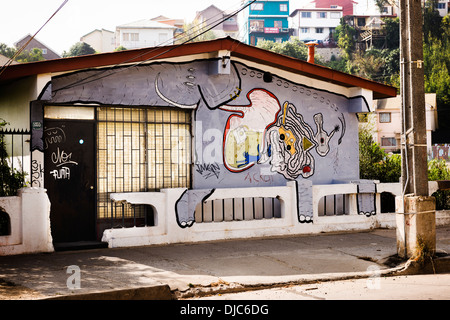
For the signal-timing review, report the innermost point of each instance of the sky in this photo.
(79, 17)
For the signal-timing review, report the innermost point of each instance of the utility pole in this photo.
(416, 218)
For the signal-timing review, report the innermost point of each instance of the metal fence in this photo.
(14, 154)
(238, 209)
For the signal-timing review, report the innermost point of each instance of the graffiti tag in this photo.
(62, 158)
(61, 174)
(208, 170)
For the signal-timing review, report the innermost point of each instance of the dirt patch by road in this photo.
(11, 291)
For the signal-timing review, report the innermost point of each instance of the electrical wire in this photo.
(114, 69)
(18, 52)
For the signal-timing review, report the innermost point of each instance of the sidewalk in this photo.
(183, 270)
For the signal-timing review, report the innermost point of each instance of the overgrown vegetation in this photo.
(376, 164)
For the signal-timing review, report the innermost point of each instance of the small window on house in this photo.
(361, 22)
(306, 14)
(388, 142)
(256, 25)
(304, 30)
(278, 24)
(335, 15)
(283, 7)
(321, 15)
(385, 117)
(257, 6)
(131, 37)
(319, 30)
(44, 51)
(141, 149)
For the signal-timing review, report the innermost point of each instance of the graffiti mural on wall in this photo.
(262, 125)
(439, 151)
(245, 128)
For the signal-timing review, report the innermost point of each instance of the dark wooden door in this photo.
(70, 175)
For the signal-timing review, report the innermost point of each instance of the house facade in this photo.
(346, 5)
(101, 40)
(165, 140)
(211, 16)
(144, 33)
(388, 119)
(47, 53)
(266, 20)
(316, 24)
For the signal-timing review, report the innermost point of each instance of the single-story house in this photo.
(133, 138)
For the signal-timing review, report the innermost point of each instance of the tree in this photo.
(345, 38)
(30, 56)
(7, 51)
(431, 22)
(293, 48)
(79, 49)
(196, 32)
(374, 162)
(25, 56)
(392, 29)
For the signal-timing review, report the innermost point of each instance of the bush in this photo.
(375, 163)
(438, 170)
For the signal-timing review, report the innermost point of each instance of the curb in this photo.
(410, 267)
(163, 292)
(158, 292)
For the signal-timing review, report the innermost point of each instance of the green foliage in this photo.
(438, 170)
(25, 56)
(196, 31)
(374, 162)
(432, 27)
(345, 37)
(11, 180)
(293, 48)
(79, 49)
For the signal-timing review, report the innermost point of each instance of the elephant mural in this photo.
(264, 121)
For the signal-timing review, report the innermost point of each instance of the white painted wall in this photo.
(167, 230)
(147, 37)
(29, 212)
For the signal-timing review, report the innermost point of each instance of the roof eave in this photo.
(236, 48)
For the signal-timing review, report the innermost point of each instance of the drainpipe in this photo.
(311, 46)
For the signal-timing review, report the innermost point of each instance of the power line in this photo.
(18, 52)
(102, 74)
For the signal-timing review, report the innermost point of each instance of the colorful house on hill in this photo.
(165, 140)
(266, 20)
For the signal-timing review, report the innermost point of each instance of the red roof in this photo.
(236, 48)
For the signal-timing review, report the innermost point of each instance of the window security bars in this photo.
(238, 209)
(139, 150)
(332, 205)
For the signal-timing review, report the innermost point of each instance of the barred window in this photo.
(140, 150)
